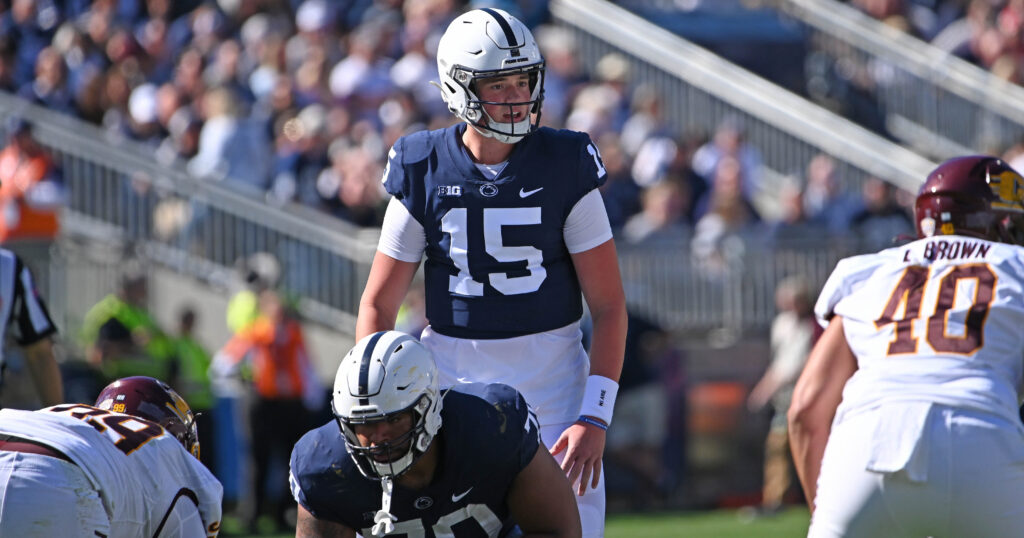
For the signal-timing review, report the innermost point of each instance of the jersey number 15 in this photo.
(453, 223)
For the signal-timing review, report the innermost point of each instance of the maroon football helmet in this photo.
(155, 401)
(977, 196)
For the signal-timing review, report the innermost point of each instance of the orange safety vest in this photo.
(276, 354)
(18, 174)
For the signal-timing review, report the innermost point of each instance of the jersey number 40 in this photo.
(909, 292)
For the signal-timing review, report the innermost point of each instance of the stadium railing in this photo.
(726, 295)
(937, 102)
(701, 90)
(117, 189)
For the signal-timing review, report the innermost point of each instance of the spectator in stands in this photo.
(883, 220)
(271, 353)
(620, 192)
(28, 34)
(564, 76)
(825, 201)
(647, 119)
(31, 196)
(363, 79)
(49, 88)
(973, 37)
(603, 105)
(792, 334)
(351, 187)
(729, 218)
(729, 140)
(230, 147)
(662, 218)
(793, 228)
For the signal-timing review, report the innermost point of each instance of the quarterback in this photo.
(514, 232)
(905, 419)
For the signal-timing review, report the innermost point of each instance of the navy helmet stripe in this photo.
(364, 365)
(510, 36)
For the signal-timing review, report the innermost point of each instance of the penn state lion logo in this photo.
(488, 190)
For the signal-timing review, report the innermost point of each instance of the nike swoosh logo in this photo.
(525, 193)
(457, 498)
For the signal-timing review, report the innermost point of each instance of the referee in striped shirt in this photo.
(23, 311)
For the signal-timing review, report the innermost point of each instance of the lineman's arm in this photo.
(598, 273)
(45, 374)
(385, 290)
(541, 501)
(308, 526)
(815, 399)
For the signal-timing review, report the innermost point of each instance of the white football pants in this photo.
(967, 468)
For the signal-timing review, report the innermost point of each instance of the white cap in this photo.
(142, 104)
(311, 16)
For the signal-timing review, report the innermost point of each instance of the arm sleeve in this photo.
(587, 225)
(401, 236)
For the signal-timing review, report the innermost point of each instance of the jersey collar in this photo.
(462, 162)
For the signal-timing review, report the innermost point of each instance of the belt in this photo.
(11, 443)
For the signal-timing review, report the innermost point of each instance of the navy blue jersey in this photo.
(488, 435)
(496, 263)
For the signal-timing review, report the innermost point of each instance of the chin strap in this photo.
(384, 522)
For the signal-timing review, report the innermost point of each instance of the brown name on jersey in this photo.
(952, 250)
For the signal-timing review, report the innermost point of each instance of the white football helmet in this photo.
(386, 373)
(485, 43)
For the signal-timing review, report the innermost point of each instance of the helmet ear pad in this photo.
(460, 99)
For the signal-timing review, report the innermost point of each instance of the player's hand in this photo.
(583, 445)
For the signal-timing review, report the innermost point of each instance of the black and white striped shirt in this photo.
(21, 307)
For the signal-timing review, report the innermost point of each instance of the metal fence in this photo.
(116, 189)
(729, 295)
(936, 102)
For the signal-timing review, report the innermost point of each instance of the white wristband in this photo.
(599, 398)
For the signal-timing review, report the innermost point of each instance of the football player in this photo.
(403, 457)
(125, 467)
(513, 229)
(904, 421)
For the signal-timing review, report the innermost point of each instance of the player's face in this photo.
(384, 432)
(505, 89)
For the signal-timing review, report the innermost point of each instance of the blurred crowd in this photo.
(987, 33)
(300, 101)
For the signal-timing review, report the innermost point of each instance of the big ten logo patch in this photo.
(448, 191)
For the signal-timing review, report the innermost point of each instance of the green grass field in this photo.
(791, 523)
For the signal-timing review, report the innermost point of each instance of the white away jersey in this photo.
(139, 469)
(937, 320)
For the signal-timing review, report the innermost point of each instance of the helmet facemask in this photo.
(392, 458)
(476, 115)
